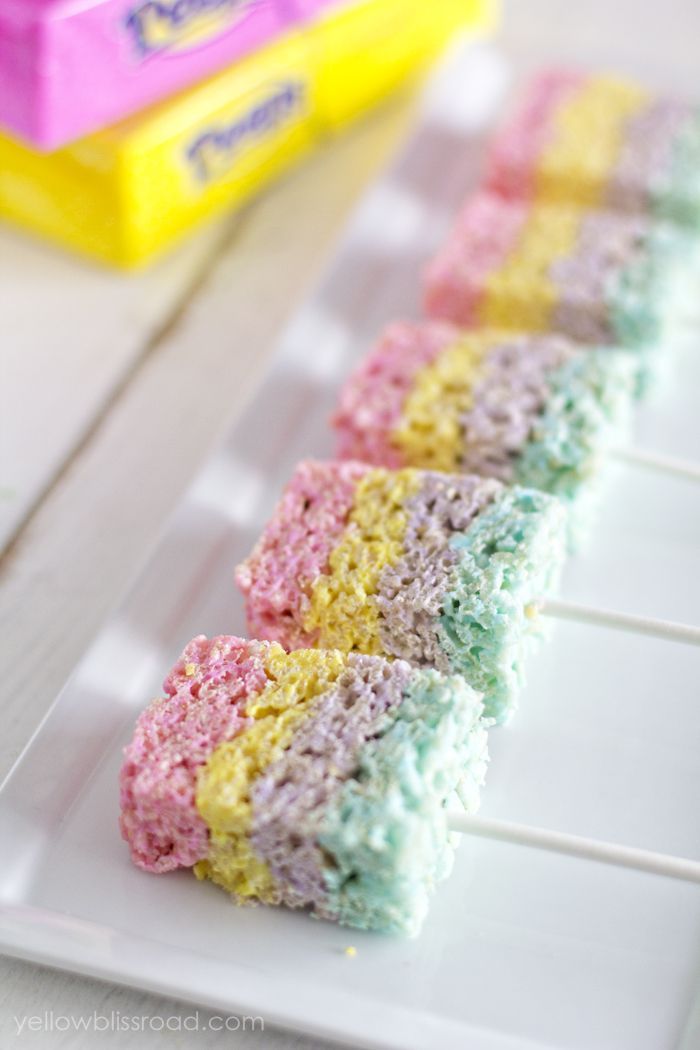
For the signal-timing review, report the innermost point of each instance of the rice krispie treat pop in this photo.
(601, 142)
(528, 408)
(438, 569)
(314, 779)
(598, 277)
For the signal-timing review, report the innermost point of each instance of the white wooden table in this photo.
(114, 387)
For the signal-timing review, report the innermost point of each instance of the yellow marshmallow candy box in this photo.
(124, 194)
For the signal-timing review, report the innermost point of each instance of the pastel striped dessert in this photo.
(601, 142)
(527, 408)
(599, 277)
(441, 570)
(314, 779)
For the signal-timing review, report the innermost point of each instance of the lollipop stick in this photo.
(666, 629)
(682, 468)
(577, 846)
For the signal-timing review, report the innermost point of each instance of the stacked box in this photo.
(68, 69)
(126, 193)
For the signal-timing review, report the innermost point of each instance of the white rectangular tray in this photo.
(521, 949)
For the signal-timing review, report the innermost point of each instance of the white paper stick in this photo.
(682, 468)
(666, 629)
(577, 846)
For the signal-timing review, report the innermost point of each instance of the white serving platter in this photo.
(522, 949)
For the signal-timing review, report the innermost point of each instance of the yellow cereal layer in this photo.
(521, 294)
(342, 606)
(224, 785)
(588, 139)
(433, 440)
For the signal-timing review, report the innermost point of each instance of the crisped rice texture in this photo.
(278, 713)
(292, 794)
(386, 834)
(294, 549)
(204, 705)
(342, 609)
(509, 559)
(412, 588)
(677, 194)
(639, 293)
(587, 410)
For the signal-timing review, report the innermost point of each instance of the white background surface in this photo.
(113, 389)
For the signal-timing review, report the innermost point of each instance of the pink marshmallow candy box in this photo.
(69, 67)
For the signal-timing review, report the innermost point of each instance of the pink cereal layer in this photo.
(515, 153)
(372, 400)
(204, 705)
(486, 230)
(294, 549)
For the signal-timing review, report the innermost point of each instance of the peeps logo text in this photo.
(173, 25)
(212, 154)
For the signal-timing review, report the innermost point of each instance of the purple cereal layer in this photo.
(290, 799)
(412, 590)
(508, 397)
(607, 244)
(647, 154)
